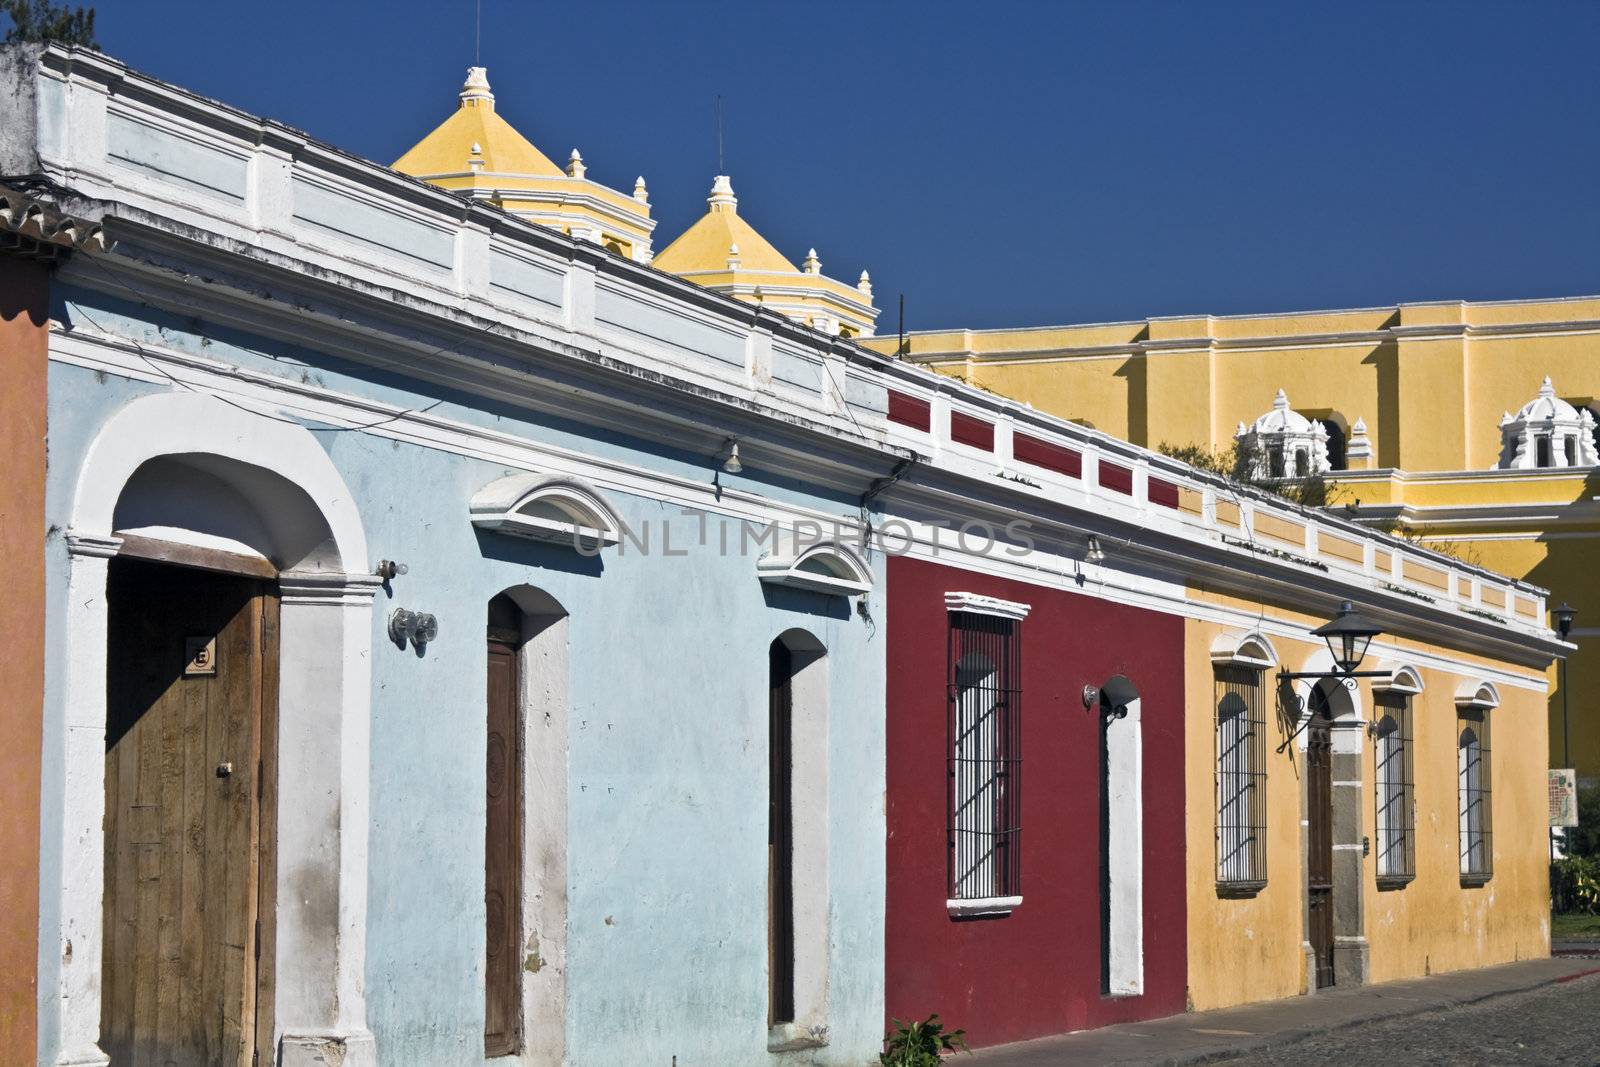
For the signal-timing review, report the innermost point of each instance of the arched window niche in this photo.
(828, 567)
(1393, 775)
(557, 510)
(797, 842)
(1236, 648)
(1240, 660)
(525, 828)
(1121, 840)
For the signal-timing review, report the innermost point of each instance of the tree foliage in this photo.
(1237, 463)
(40, 20)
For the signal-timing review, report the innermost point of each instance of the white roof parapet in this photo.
(693, 358)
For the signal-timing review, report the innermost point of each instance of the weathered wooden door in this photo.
(502, 1023)
(190, 680)
(1319, 840)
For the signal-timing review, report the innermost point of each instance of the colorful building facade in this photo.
(572, 663)
(1332, 834)
(1430, 418)
(34, 238)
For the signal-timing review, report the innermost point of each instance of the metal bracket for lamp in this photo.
(1348, 678)
(1348, 637)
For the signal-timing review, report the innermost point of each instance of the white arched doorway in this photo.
(1331, 728)
(186, 474)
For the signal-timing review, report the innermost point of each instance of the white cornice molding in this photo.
(978, 604)
(383, 306)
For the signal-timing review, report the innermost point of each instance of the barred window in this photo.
(985, 759)
(1241, 779)
(1392, 778)
(1475, 794)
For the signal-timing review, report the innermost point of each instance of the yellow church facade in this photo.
(1470, 426)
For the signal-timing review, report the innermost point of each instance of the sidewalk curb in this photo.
(1284, 1038)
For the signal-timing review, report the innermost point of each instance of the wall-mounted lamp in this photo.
(728, 458)
(1348, 636)
(1096, 554)
(1114, 697)
(1564, 616)
(388, 569)
(414, 627)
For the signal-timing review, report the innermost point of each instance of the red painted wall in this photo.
(1036, 971)
(24, 348)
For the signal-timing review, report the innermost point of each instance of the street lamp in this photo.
(1348, 636)
(1564, 615)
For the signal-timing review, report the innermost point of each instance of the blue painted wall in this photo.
(668, 739)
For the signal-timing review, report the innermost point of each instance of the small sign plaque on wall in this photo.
(200, 656)
(1563, 797)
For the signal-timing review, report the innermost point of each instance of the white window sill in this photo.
(790, 1037)
(983, 906)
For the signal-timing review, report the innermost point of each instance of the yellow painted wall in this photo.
(1434, 924)
(1240, 949)
(1249, 949)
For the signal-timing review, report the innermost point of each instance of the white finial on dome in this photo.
(1284, 443)
(640, 193)
(475, 158)
(733, 256)
(575, 167)
(475, 93)
(1547, 431)
(812, 264)
(865, 284)
(1358, 450)
(722, 198)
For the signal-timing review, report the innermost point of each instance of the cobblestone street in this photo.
(1555, 1024)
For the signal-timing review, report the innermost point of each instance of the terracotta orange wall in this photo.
(24, 337)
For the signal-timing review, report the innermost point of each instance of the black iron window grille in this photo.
(1241, 779)
(1474, 787)
(1395, 799)
(985, 757)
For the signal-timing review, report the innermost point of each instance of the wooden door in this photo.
(502, 1021)
(1319, 840)
(190, 675)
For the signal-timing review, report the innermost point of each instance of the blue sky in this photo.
(1001, 163)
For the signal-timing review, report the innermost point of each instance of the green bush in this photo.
(921, 1044)
(1584, 839)
(1575, 885)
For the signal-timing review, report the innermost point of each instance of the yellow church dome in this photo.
(704, 246)
(475, 137)
(478, 154)
(722, 251)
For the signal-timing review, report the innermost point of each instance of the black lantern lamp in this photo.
(1564, 615)
(1348, 636)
